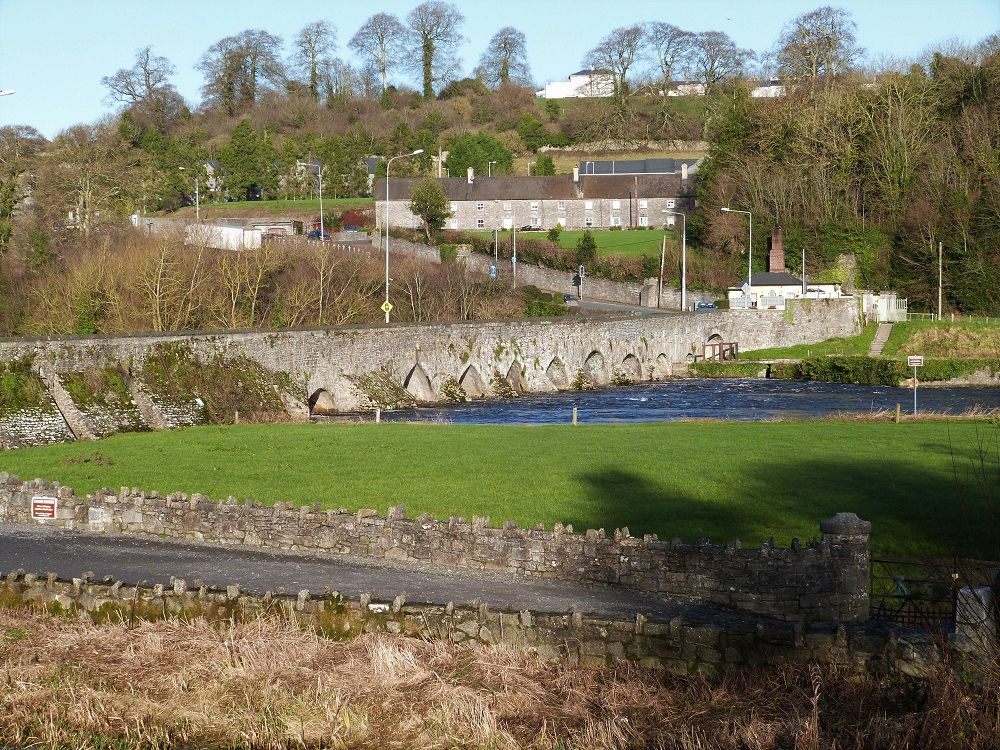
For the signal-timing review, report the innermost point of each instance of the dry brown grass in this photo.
(955, 341)
(270, 684)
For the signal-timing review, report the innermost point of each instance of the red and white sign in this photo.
(43, 508)
(915, 360)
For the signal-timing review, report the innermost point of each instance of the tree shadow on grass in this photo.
(914, 511)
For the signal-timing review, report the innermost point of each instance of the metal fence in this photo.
(924, 594)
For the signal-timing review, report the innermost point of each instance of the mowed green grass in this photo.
(625, 243)
(916, 482)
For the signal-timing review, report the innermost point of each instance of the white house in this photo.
(773, 88)
(768, 291)
(582, 84)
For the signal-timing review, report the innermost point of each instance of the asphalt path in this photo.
(136, 559)
(610, 307)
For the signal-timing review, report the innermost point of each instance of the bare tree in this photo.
(716, 58)
(143, 81)
(380, 43)
(237, 66)
(617, 53)
(433, 38)
(314, 46)
(90, 176)
(672, 48)
(505, 59)
(818, 44)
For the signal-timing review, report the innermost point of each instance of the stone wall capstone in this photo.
(569, 637)
(822, 581)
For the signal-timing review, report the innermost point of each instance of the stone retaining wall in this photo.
(678, 646)
(823, 581)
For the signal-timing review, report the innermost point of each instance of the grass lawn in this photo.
(849, 346)
(979, 337)
(625, 243)
(916, 482)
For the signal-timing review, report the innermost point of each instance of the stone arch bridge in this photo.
(348, 368)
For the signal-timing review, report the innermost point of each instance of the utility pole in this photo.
(940, 267)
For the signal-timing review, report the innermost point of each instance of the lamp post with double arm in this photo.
(727, 210)
(684, 282)
(387, 306)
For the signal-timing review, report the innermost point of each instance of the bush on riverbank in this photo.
(877, 370)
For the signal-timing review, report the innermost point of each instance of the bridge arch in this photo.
(419, 384)
(322, 402)
(556, 372)
(472, 383)
(632, 369)
(662, 368)
(515, 376)
(596, 369)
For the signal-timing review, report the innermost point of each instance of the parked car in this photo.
(315, 235)
(569, 298)
(704, 306)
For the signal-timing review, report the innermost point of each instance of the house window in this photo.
(480, 206)
(562, 205)
(535, 221)
(616, 221)
(454, 207)
(589, 221)
(643, 221)
(454, 223)
(670, 202)
(506, 205)
(643, 203)
(615, 205)
(534, 205)
(671, 220)
(480, 224)
(589, 205)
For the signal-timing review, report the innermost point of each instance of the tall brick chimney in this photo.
(776, 257)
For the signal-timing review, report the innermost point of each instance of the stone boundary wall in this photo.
(824, 581)
(604, 290)
(677, 646)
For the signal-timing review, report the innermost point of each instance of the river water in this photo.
(732, 399)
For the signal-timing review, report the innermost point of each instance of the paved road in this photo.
(591, 306)
(134, 559)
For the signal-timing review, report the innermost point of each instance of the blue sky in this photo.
(54, 52)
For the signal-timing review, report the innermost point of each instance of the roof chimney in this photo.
(472, 175)
(576, 174)
(684, 170)
(776, 257)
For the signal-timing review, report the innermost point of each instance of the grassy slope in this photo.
(687, 480)
(849, 346)
(944, 339)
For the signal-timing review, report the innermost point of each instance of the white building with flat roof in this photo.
(582, 84)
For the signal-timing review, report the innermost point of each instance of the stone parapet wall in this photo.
(570, 637)
(824, 581)
(641, 294)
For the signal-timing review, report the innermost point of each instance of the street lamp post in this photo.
(322, 226)
(684, 282)
(727, 210)
(388, 164)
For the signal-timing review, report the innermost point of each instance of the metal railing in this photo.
(924, 594)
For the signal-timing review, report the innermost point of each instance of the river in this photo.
(692, 398)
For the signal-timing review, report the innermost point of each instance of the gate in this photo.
(924, 594)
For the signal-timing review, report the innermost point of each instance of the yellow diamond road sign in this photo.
(387, 306)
